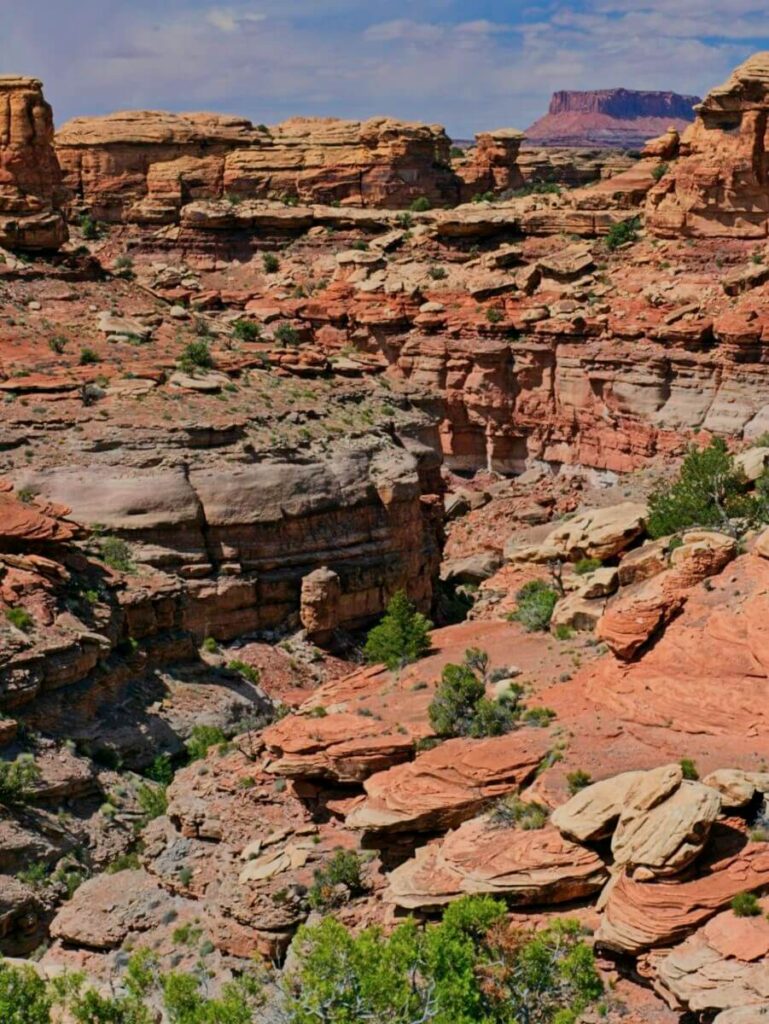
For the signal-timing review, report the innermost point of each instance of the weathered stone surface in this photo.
(596, 533)
(718, 186)
(145, 166)
(723, 966)
(641, 915)
(30, 178)
(536, 866)
(640, 611)
(445, 786)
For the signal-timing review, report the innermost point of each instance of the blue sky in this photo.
(468, 64)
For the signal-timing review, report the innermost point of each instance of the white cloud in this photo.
(227, 19)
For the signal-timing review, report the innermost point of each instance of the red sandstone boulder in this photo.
(537, 866)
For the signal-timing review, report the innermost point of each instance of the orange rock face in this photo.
(30, 178)
(144, 166)
(718, 188)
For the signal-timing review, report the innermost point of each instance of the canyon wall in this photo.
(720, 185)
(144, 166)
(30, 179)
(622, 118)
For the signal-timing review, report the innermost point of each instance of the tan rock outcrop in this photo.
(145, 166)
(596, 533)
(30, 178)
(535, 866)
(718, 187)
(447, 785)
(493, 164)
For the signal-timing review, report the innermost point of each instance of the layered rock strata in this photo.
(30, 178)
(144, 166)
(720, 185)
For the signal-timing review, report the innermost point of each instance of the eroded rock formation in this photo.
(720, 185)
(30, 179)
(624, 118)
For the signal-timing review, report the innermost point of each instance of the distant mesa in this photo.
(617, 118)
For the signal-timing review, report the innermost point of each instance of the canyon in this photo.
(256, 382)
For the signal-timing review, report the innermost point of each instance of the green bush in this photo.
(248, 672)
(287, 334)
(709, 492)
(512, 812)
(494, 315)
(689, 769)
(90, 228)
(438, 273)
(202, 738)
(460, 706)
(271, 263)
(152, 800)
(116, 554)
(745, 904)
(161, 770)
(24, 996)
(402, 636)
(472, 967)
(585, 565)
(20, 618)
(421, 205)
(246, 330)
(578, 780)
(622, 233)
(196, 355)
(660, 171)
(17, 779)
(88, 357)
(58, 344)
(536, 602)
(342, 869)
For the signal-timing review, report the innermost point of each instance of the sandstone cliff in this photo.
(145, 166)
(623, 118)
(30, 179)
(720, 185)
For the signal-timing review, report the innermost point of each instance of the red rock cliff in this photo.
(30, 178)
(611, 117)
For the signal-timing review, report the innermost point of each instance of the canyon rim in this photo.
(384, 528)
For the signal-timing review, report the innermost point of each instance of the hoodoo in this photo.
(30, 178)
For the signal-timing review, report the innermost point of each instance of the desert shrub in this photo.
(745, 904)
(709, 491)
(421, 205)
(124, 267)
(536, 602)
(342, 869)
(271, 263)
(460, 706)
(90, 228)
(494, 315)
(623, 232)
(161, 770)
(541, 717)
(660, 171)
(152, 800)
(24, 996)
(438, 273)
(537, 188)
(689, 769)
(512, 812)
(88, 357)
(246, 330)
(287, 334)
(17, 779)
(196, 355)
(578, 780)
(248, 672)
(210, 645)
(402, 636)
(202, 738)
(473, 966)
(57, 344)
(585, 565)
(116, 554)
(405, 220)
(20, 618)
